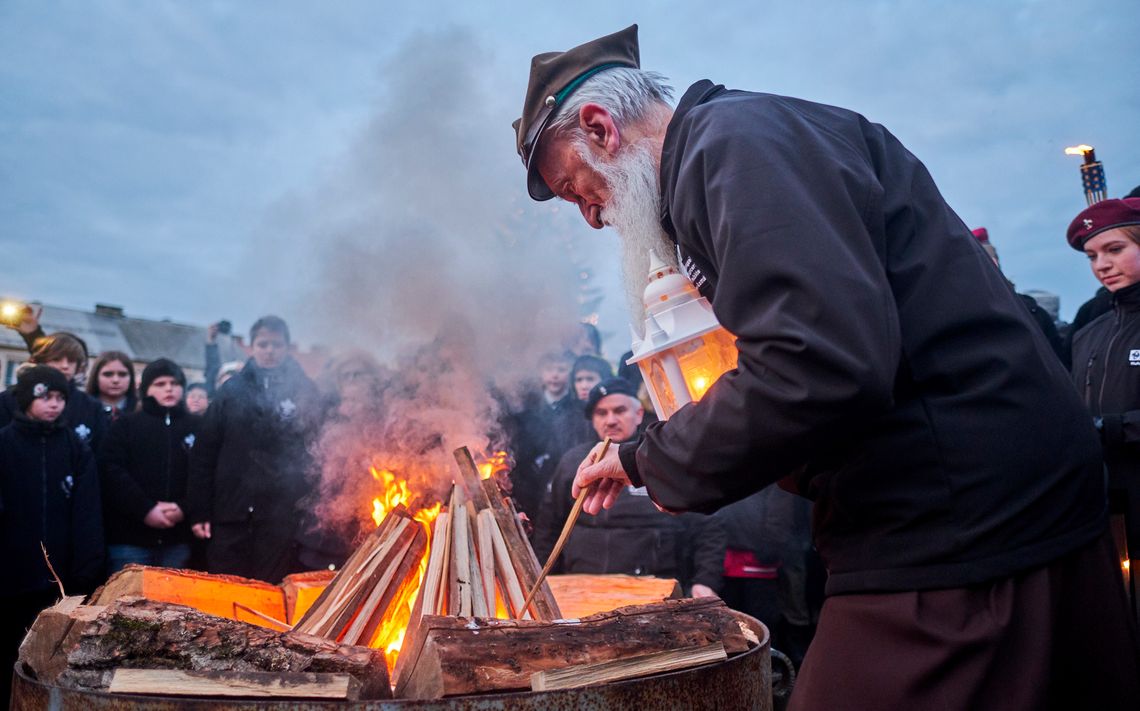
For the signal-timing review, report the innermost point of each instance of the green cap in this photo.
(553, 78)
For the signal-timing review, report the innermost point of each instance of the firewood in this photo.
(508, 578)
(430, 599)
(397, 588)
(174, 682)
(215, 594)
(147, 634)
(482, 655)
(478, 593)
(43, 649)
(357, 585)
(483, 522)
(470, 479)
(580, 594)
(356, 632)
(627, 668)
(521, 554)
(302, 590)
(460, 603)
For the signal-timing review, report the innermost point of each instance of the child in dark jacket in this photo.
(49, 496)
(144, 467)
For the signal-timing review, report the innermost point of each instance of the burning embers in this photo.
(471, 560)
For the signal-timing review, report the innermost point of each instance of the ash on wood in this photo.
(145, 634)
(473, 656)
(627, 668)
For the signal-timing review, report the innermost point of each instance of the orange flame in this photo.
(493, 464)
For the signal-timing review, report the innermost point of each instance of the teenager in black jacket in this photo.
(1106, 353)
(49, 496)
(248, 472)
(144, 467)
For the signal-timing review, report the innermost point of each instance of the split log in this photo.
(521, 555)
(143, 634)
(302, 590)
(580, 594)
(43, 650)
(475, 656)
(512, 589)
(460, 599)
(226, 596)
(627, 668)
(483, 522)
(470, 479)
(173, 682)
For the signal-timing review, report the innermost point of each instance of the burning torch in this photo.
(685, 348)
(1092, 173)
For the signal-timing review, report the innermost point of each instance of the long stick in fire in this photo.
(566, 529)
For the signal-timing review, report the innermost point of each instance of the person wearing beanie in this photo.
(588, 371)
(1106, 353)
(49, 493)
(634, 537)
(144, 467)
(83, 415)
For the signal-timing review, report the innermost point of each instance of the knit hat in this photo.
(36, 382)
(613, 386)
(157, 369)
(1104, 215)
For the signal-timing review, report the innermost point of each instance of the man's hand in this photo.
(173, 512)
(29, 319)
(607, 472)
(201, 530)
(156, 517)
(702, 591)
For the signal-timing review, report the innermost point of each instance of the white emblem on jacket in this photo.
(1134, 356)
(84, 432)
(287, 408)
(188, 440)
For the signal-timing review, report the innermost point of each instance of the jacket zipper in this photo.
(1107, 351)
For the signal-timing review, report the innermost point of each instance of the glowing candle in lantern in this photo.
(685, 349)
(1092, 173)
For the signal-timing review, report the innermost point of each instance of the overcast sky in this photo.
(157, 155)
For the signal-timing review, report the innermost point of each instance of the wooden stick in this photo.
(254, 684)
(512, 589)
(566, 529)
(628, 668)
(483, 522)
(282, 626)
(469, 479)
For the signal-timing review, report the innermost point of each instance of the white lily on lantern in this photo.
(685, 349)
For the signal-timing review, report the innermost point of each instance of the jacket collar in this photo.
(36, 427)
(1128, 298)
(696, 95)
(151, 407)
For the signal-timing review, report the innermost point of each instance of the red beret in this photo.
(981, 234)
(1104, 215)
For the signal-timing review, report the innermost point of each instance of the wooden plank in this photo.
(580, 595)
(390, 555)
(429, 599)
(478, 594)
(362, 614)
(398, 589)
(508, 578)
(627, 668)
(302, 590)
(230, 684)
(526, 565)
(483, 655)
(470, 479)
(212, 594)
(483, 522)
(460, 604)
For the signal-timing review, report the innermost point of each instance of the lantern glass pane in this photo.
(704, 359)
(659, 382)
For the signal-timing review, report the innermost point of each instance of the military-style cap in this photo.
(553, 77)
(610, 386)
(1101, 216)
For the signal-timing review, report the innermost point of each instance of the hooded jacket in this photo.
(49, 492)
(886, 369)
(146, 460)
(83, 415)
(251, 457)
(1106, 372)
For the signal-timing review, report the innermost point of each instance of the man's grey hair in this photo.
(627, 93)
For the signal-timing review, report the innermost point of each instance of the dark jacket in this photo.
(883, 361)
(146, 460)
(251, 454)
(1106, 372)
(83, 414)
(544, 433)
(49, 492)
(633, 537)
(1048, 329)
(772, 524)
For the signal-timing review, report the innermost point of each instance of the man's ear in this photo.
(599, 126)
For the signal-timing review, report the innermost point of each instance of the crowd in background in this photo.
(105, 471)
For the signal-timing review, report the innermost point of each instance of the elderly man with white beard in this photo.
(886, 371)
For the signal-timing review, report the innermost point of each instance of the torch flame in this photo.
(494, 464)
(1078, 150)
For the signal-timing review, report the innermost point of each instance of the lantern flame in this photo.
(1078, 150)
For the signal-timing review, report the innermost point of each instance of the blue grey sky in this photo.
(193, 160)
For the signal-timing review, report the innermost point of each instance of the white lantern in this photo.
(685, 349)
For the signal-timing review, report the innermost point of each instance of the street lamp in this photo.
(685, 349)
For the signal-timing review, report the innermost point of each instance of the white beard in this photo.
(634, 211)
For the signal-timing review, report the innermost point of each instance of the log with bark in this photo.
(451, 656)
(81, 646)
